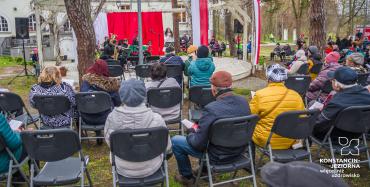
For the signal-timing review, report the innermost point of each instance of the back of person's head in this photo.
(158, 71)
(203, 52)
(99, 68)
(109, 50)
(132, 92)
(343, 77)
(192, 49)
(356, 58)
(276, 73)
(221, 82)
(278, 44)
(313, 50)
(50, 75)
(332, 57)
(170, 50)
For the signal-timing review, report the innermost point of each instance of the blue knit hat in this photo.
(132, 92)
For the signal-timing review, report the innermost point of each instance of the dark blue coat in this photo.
(173, 59)
(226, 107)
(355, 96)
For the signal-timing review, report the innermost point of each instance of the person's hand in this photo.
(368, 88)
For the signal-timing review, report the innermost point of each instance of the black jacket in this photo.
(355, 96)
(226, 107)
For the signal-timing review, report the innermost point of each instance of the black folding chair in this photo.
(175, 71)
(295, 125)
(139, 145)
(199, 97)
(13, 107)
(111, 62)
(298, 83)
(143, 71)
(362, 79)
(116, 71)
(52, 105)
(353, 119)
(56, 148)
(166, 98)
(230, 133)
(92, 103)
(14, 165)
(328, 87)
(134, 60)
(316, 68)
(303, 70)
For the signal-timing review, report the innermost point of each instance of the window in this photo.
(67, 26)
(183, 17)
(125, 7)
(3, 25)
(32, 22)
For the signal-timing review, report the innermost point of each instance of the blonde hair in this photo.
(49, 75)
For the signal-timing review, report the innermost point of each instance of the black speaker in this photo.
(21, 28)
(238, 27)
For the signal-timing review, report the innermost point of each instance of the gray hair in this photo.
(343, 86)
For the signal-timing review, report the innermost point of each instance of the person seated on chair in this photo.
(97, 79)
(355, 61)
(314, 90)
(227, 105)
(192, 56)
(287, 50)
(270, 102)
(108, 53)
(172, 58)
(222, 49)
(125, 44)
(50, 83)
(134, 114)
(202, 68)
(314, 58)
(301, 59)
(158, 74)
(215, 48)
(13, 141)
(349, 93)
(276, 51)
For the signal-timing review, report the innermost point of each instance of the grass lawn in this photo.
(100, 167)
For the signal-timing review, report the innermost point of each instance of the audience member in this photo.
(13, 141)
(227, 105)
(158, 74)
(314, 90)
(348, 94)
(202, 68)
(50, 83)
(172, 58)
(277, 51)
(192, 56)
(355, 61)
(108, 53)
(270, 102)
(97, 79)
(133, 114)
(301, 59)
(314, 59)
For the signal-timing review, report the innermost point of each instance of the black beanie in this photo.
(203, 52)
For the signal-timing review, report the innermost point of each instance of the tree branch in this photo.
(98, 9)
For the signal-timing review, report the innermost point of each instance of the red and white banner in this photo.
(257, 28)
(199, 11)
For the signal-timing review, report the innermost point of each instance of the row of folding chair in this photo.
(143, 71)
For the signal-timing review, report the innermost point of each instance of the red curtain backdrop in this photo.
(204, 24)
(125, 26)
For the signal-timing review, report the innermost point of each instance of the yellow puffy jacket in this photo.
(310, 65)
(262, 104)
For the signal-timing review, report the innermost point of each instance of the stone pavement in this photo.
(238, 68)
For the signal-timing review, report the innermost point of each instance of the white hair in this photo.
(343, 86)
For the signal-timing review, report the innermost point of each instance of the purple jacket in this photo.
(317, 84)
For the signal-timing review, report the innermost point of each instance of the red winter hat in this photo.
(222, 79)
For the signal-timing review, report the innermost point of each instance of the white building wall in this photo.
(10, 9)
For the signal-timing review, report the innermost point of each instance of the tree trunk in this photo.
(176, 32)
(230, 33)
(298, 24)
(318, 24)
(79, 14)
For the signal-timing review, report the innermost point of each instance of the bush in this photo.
(18, 60)
(182, 53)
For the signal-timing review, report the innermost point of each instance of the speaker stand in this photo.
(24, 72)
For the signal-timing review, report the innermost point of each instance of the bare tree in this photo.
(81, 18)
(299, 7)
(318, 23)
(176, 32)
(230, 32)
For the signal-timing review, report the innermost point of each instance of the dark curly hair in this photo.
(158, 71)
